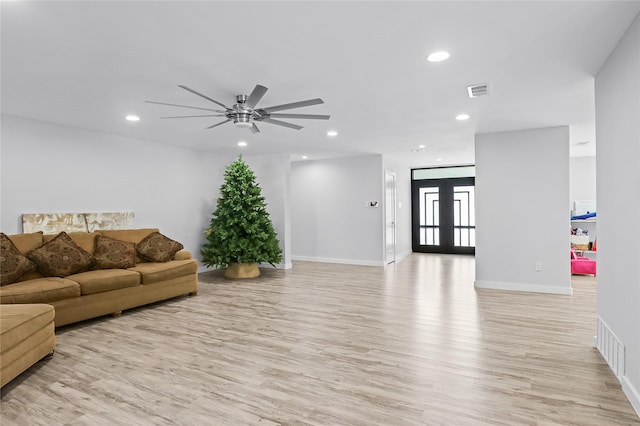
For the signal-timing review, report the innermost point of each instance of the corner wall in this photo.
(53, 168)
(522, 193)
(330, 218)
(617, 93)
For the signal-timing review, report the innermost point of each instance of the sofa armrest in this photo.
(182, 255)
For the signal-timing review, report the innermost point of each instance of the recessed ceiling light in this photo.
(304, 157)
(438, 56)
(438, 159)
(332, 133)
(422, 146)
(132, 118)
(462, 117)
(242, 144)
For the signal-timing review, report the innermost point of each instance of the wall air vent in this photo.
(478, 90)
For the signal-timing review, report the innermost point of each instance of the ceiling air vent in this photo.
(478, 90)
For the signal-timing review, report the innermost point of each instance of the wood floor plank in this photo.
(321, 344)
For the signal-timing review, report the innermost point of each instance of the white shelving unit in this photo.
(590, 226)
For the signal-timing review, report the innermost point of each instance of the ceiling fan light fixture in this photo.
(244, 121)
(244, 113)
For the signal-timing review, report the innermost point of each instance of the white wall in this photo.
(273, 174)
(52, 168)
(582, 180)
(403, 206)
(522, 193)
(617, 91)
(330, 221)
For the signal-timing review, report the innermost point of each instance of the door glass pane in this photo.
(464, 197)
(444, 172)
(429, 216)
(428, 206)
(464, 218)
(464, 237)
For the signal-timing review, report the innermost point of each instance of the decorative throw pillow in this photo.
(13, 264)
(114, 254)
(61, 257)
(155, 247)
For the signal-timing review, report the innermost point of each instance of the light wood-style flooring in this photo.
(322, 344)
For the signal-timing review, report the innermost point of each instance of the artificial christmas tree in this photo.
(240, 234)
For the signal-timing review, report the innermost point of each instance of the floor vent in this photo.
(478, 90)
(610, 347)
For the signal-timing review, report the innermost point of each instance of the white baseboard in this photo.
(341, 261)
(403, 255)
(398, 258)
(632, 393)
(203, 268)
(532, 288)
(262, 265)
(278, 266)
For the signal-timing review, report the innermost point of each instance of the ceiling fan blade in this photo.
(282, 123)
(183, 106)
(293, 105)
(216, 125)
(254, 128)
(314, 116)
(203, 96)
(256, 95)
(195, 116)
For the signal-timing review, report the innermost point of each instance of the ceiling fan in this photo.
(245, 114)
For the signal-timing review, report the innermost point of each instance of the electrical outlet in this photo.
(538, 266)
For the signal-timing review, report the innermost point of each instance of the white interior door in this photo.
(390, 216)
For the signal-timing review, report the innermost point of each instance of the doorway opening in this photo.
(390, 216)
(443, 210)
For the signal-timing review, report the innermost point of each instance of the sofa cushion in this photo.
(86, 240)
(41, 290)
(129, 235)
(61, 257)
(182, 255)
(27, 242)
(155, 272)
(111, 253)
(19, 321)
(105, 280)
(13, 264)
(156, 247)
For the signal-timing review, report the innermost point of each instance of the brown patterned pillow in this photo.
(13, 264)
(114, 254)
(155, 247)
(61, 257)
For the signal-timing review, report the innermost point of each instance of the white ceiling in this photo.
(88, 64)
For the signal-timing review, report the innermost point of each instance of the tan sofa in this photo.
(26, 336)
(98, 292)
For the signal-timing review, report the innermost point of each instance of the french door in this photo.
(443, 215)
